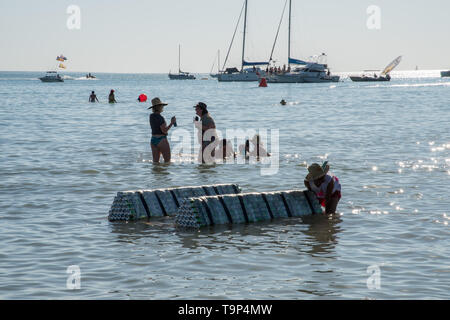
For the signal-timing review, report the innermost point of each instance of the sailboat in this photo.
(251, 73)
(314, 71)
(181, 75)
(384, 76)
(215, 75)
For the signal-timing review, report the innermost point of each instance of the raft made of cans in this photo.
(204, 211)
(140, 204)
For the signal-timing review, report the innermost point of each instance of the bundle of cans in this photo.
(140, 204)
(197, 212)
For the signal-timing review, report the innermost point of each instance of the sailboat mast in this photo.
(179, 54)
(289, 35)
(218, 61)
(243, 40)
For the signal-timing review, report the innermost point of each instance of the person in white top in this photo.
(326, 187)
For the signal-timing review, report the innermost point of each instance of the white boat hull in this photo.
(310, 77)
(50, 79)
(246, 75)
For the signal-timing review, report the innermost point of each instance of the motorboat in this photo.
(383, 76)
(369, 78)
(445, 73)
(51, 76)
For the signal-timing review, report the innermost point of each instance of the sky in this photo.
(142, 36)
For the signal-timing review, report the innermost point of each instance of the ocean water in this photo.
(64, 159)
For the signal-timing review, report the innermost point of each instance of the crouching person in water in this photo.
(159, 143)
(326, 187)
(225, 150)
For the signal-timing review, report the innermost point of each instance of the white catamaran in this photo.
(181, 75)
(314, 71)
(251, 73)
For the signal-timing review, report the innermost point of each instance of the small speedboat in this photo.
(445, 73)
(90, 76)
(383, 76)
(52, 76)
(365, 78)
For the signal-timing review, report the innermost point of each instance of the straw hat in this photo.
(316, 171)
(157, 102)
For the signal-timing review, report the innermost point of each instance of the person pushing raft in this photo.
(326, 187)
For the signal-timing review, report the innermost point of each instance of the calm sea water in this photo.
(64, 159)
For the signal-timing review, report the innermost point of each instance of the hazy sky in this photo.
(143, 35)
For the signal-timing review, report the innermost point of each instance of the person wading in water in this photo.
(159, 143)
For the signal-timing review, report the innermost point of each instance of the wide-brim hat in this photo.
(157, 102)
(316, 171)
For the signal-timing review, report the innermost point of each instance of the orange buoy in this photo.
(263, 82)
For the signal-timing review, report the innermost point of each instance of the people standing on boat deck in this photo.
(326, 187)
(159, 143)
(93, 97)
(112, 98)
(207, 127)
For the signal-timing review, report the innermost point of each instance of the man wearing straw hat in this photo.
(326, 187)
(159, 143)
